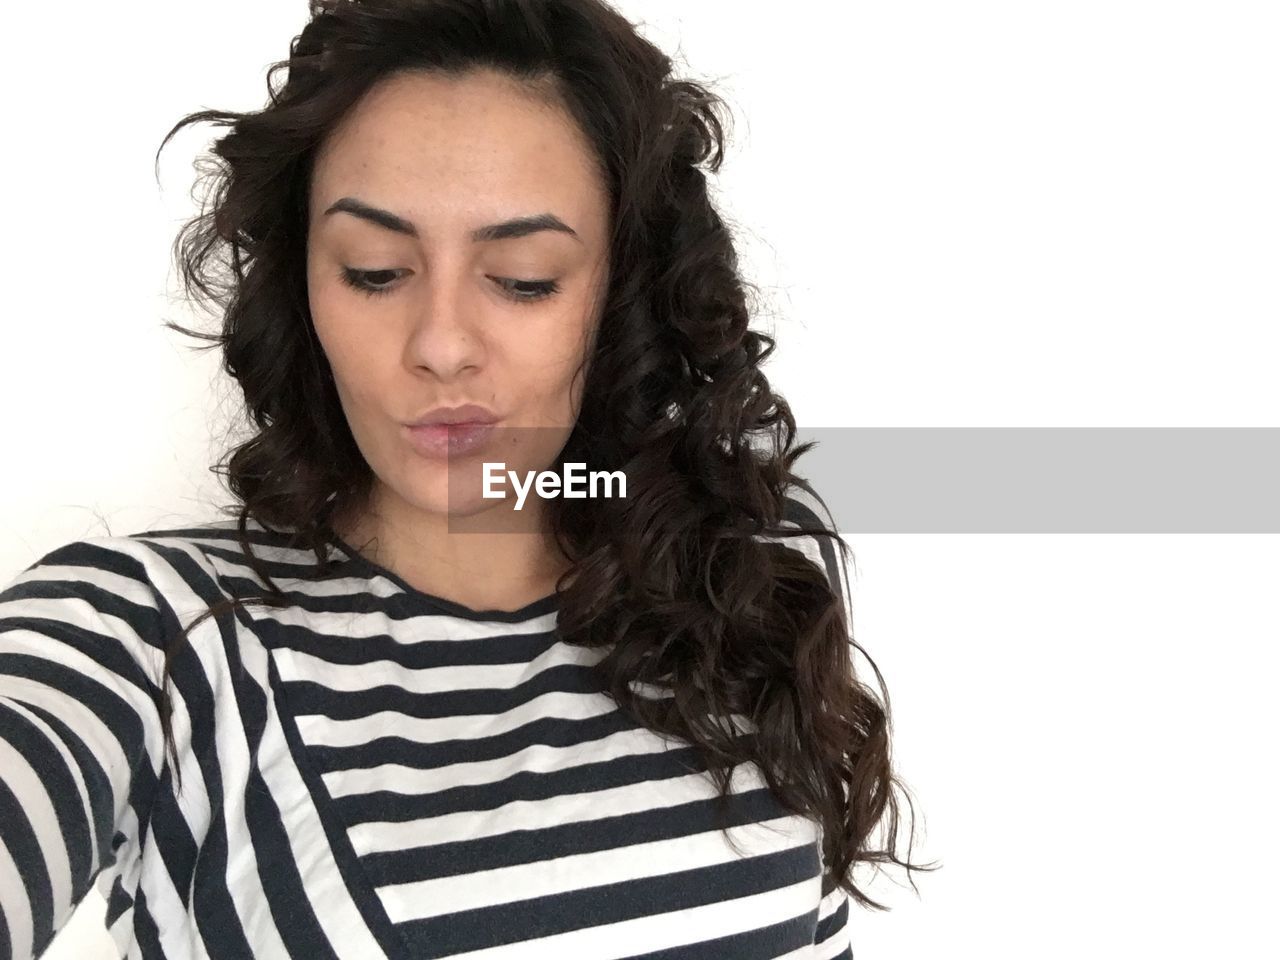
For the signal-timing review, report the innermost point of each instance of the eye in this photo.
(377, 283)
(372, 282)
(527, 291)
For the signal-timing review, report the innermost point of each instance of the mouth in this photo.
(468, 414)
(442, 440)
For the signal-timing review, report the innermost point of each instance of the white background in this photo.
(979, 214)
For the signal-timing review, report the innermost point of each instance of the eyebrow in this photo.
(506, 230)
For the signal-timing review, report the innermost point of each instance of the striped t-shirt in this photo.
(370, 772)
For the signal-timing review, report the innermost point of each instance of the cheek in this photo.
(550, 379)
(322, 321)
(331, 320)
(556, 352)
(349, 357)
(344, 343)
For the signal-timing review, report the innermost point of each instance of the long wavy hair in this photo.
(684, 580)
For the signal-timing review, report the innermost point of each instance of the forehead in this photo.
(449, 150)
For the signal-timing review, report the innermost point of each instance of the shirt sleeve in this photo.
(832, 940)
(80, 734)
(804, 509)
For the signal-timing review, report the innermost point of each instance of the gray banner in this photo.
(1047, 479)
(941, 479)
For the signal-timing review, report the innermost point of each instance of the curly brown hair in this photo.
(688, 580)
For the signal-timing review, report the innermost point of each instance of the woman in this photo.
(413, 720)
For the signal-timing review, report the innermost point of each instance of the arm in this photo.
(80, 736)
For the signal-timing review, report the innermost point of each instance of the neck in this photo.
(495, 560)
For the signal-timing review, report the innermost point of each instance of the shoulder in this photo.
(803, 506)
(111, 573)
(85, 609)
(159, 568)
(819, 539)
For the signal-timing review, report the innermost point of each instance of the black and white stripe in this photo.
(368, 772)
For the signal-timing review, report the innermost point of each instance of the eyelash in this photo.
(541, 288)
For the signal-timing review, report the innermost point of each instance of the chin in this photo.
(459, 495)
(466, 505)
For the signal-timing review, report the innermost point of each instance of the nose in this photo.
(446, 337)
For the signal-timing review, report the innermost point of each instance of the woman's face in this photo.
(456, 319)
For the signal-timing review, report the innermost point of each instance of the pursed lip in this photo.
(467, 414)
